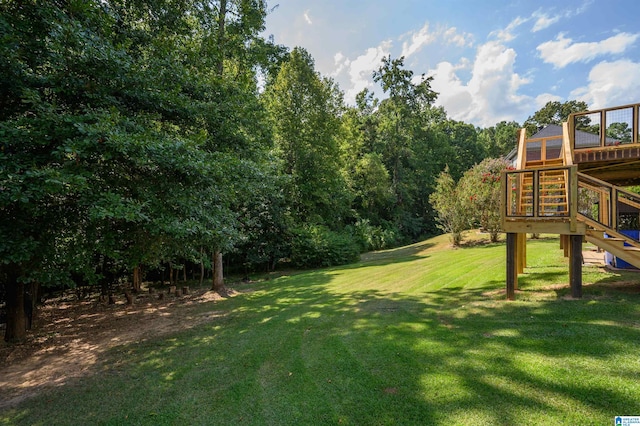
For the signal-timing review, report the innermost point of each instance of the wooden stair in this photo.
(614, 243)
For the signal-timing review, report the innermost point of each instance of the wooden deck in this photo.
(570, 181)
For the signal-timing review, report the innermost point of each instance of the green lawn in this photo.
(417, 335)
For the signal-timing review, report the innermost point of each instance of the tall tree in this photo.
(554, 112)
(120, 145)
(500, 139)
(305, 110)
(400, 123)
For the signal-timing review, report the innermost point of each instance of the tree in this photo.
(401, 126)
(500, 139)
(554, 112)
(452, 208)
(120, 146)
(305, 110)
(480, 188)
(465, 150)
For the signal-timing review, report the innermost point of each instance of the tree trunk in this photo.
(16, 320)
(218, 275)
(137, 279)
(201, 266)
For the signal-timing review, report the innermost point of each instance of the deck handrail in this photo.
(604, 128)
(524, 198)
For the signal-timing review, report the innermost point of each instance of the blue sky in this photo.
(491, 60)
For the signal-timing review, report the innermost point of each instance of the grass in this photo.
(417, 335)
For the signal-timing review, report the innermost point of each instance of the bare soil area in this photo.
(69, 336)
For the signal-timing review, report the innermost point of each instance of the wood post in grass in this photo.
(512, 266)
(575, 265)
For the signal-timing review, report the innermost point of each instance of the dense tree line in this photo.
(152, 134)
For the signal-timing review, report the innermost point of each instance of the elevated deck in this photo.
(605, 144)
(567, 180)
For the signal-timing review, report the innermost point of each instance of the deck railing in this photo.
(543, 193)
(609, 205)
(609, 127)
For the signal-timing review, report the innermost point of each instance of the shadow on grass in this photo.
(296, 352)
(402, 254)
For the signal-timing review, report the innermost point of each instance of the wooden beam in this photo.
(521, 254)
(575, 266)
(522, 149)
(567, 150)
(512, 275)
(542, 226)
(572, 194)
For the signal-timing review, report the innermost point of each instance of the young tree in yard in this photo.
(452, 208)
(480, 188)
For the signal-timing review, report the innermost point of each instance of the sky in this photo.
(490, 60)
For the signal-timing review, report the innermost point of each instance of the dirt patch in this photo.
(69, 337)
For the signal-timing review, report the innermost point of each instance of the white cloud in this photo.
(423, 37)
(544, 21)
(418, 40)
(491, 94)
(360, 69)
(307, 17)
(562, 52)
(506, 34)
(541, 100)
(451, 36)
(610, 84)
(341, 62)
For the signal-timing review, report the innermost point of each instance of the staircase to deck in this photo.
(615, 243)
(604, 209)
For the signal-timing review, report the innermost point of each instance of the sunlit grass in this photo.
(417, 335)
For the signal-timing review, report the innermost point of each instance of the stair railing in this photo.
(609, 205)
(548, 193)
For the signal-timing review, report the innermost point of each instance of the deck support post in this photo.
(521, 254)
(512, 265)
(575, 266)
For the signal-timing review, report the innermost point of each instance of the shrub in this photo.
(316, 246)
(372, 237)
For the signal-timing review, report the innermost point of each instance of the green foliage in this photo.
(304, 109)
(453, 209)
(372, 237)
(554, 112)
(121, 144)
(464, 148)
(480, 187)
(499, 140)
(316, 246)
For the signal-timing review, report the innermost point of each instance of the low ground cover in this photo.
(417, 335)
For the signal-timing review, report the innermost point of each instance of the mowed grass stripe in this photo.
(417, 335)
